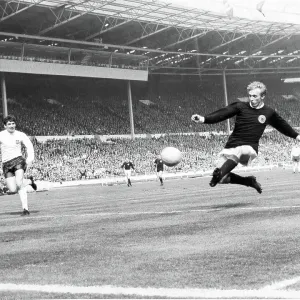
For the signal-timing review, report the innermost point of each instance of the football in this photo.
(171, 156)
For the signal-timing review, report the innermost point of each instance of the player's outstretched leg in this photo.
(219, 173)
(161, 181)
(247, 181)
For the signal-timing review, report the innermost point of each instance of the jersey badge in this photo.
(262, 119)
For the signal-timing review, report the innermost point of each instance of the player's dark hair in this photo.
(9, 118)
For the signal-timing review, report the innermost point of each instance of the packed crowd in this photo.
(91, 108)
(103, 111)
(89, 158)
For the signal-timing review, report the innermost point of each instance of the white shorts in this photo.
(241, 154)
(127, 173)
(159, 173)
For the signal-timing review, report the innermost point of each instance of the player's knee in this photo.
(19, 181)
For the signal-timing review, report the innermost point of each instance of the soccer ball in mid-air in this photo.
(171, 156)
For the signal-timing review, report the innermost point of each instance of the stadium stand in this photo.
(79, 107)
(76, 110)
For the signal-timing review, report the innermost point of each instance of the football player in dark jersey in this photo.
(159, 166)
(127, 166)
(242, 145)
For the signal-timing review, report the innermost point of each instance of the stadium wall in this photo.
(104, 138)
(29, 67)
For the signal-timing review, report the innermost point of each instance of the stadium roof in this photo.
(283, 11)
(191, 37)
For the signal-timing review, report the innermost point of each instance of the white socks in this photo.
(23, 196)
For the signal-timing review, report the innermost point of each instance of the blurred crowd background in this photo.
(69, 107)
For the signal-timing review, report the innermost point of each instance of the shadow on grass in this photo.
(229, 205)
(16, 213)
(222, 206)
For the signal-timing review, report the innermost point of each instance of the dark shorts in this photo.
(296, 158)
(11, 166)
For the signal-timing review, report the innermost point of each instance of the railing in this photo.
(74, 56)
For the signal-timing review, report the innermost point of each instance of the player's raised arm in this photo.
(218, 115)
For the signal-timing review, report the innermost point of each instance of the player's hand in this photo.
(197, 118)
(298, 138)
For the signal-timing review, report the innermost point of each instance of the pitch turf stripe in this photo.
(108, 214)
(150, 292)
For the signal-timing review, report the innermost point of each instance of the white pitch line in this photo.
(151, 292)
(282, 284)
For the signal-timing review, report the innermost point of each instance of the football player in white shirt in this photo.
(295, 156)
(13, 163)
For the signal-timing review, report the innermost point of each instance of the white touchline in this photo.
(282, 284)
(151, 292)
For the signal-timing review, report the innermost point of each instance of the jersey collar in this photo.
(258, 107)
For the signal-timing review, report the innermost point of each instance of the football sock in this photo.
(161, 180)
(237, 179)
(228, 166)
(129, 181)
(23, 197)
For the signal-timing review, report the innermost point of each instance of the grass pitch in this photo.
(183, 239)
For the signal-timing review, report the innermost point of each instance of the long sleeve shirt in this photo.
(250, 123)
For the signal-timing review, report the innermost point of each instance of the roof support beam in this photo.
(191, 37)
(268, 41)
(149, 34)
(10, 12)
(229, 42)
(157, 29)
(69, 13)
(113, 46)
(135, 15)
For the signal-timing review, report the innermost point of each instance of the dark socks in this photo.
(222, 172)
(247, 181)
(228, 166)
(237, 179)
